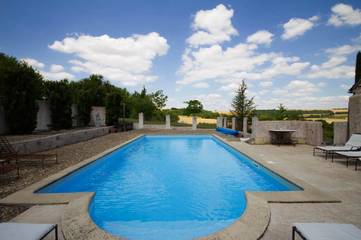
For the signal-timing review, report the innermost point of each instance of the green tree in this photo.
(114, 108)
(59, 95)
(241, 104)
(20, 87)
(142, 102)
(159, 99)
(193, 107)
(281, 112)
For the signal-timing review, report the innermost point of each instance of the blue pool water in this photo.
(169, 187)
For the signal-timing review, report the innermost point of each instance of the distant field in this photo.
(188, 120)
(329, 120)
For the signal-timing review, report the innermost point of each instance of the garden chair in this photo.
(353, 155)
(326, 231)
(26, 231)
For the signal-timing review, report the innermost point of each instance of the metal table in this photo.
(281, 136)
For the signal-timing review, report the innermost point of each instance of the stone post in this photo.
(219, 122)
(245, 125)
(225, 122)
(354, 113)
(141, 120)
(254, 127)
(233, 123)
(167, 121)
(194, 123)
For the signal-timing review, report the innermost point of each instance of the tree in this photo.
(142, 102)
(193, 107)
(159, 99)
(59, 95)
(114, 108)
(241, 104)
(358, 67)
(20, 87)
(281, 112)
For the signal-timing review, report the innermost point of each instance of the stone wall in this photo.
(307, 132)
(340, 133)
(354, 109)
(58, 140)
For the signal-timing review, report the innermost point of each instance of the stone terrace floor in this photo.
(334, 178)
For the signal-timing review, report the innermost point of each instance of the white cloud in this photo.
(260, 37)
(296, 27)
(214, 101)
(266, 84)
(33, 62)
(201, 85)
(343, 14)
(123, 61)
(56, 68)
(212, 26)
(343, 50)
(345, 86)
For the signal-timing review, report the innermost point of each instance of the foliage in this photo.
(242, 106)
(20, 87)
(113, 107)
(142, 102)
(59, 95)
(327, 132)
(282, 112)
(206, 125)
(159, 99)
(358, 67)
(194, 107)
(274, 114)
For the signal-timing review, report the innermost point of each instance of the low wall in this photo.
(150, 126)
(307, 132)
(58, 140)
(339, 133)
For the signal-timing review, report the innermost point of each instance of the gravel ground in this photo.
(67, 156)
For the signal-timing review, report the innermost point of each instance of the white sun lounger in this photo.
(26, 231)
(353, 155)
(326, 231)
(353, 144)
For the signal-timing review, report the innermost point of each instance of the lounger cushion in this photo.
(24, 231)
(353, 154)
(328, 231)
(335, 148)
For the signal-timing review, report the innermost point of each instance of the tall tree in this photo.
(20, 87)
(358, 67)
(241, 104)
(281, 112)
(159, 99)
(193, 107)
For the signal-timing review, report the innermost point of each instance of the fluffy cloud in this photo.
(266, 84)
(124, 61)
(296, 27)
(212, 26)
(201, 85)
(33, 62)
(214, 101)
(343, 14)
(260, 37)
(56, 72)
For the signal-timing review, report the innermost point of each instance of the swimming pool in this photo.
(169, 187)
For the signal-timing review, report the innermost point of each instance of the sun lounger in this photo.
(326, 231)
(353, 144)
(26, 231)
(354, 155)
(8, 152)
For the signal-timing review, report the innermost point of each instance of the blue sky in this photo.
(299, 53)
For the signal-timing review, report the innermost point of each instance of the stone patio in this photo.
(297, 162)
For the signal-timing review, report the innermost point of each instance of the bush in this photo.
(114, 108)
(20, 87)
(60, 98)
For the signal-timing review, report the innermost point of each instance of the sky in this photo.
(298, 53)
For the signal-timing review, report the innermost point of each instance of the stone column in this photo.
(194, 122)
(254, 127)
(245, 125)
(219, 121)
(167, 121)
(233, 123)
(354, 114)
(141, 120)
(225, 122)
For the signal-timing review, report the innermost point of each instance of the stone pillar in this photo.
(245, 125)
(194, 122)
(219, 122)
(225, 122)
(167, 121)
(141, 121)
(339, 133)
(233, 123)
(254, 127)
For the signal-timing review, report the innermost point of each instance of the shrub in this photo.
(20, 87)
(114, 108)
(60, 98)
